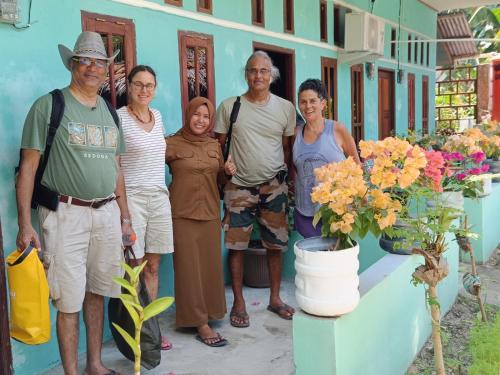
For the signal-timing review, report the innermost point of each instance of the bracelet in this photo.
(125, 221)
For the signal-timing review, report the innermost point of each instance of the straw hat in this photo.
(88, 44)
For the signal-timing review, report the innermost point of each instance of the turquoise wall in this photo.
(392, 321)
(483, 218)
(31, 67)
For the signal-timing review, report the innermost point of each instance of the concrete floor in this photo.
(263, 348)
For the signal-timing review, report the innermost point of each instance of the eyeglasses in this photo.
(255, 71)
(139, 86)
(87, 61)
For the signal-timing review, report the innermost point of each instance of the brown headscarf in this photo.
(193, 105)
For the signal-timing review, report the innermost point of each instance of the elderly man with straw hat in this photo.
(80, 196)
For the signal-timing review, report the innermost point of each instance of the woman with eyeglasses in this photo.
(143, 167)
(317, 142)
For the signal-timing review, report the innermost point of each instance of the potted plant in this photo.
(429, 227)
(491, 146)
(352, 203)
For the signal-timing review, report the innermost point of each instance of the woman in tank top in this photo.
(318, 142)
(143, 167)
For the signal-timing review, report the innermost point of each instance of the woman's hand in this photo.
(230, 167)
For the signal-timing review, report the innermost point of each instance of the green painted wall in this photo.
(483, 217)
(31, 67)
(385, 331)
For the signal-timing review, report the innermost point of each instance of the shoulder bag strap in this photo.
(232, 119)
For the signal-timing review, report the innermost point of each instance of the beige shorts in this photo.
(82, 251)
(152, 222)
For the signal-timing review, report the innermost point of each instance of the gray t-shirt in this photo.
(257, 137)
(82, 161)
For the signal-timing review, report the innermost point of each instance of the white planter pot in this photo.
(326, 281)
(487, 187)
(451, 199)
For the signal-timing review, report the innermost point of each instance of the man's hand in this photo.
(25, 236)
(230, 167)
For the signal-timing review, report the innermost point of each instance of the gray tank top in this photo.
(307, 157)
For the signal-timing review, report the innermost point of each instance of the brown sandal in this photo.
(242, 319)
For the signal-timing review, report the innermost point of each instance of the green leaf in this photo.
(316, 218)
(130, 341)
(157, 306)
(125, 284)
(131, 300)
(128, 270)
(131, 311)
(138, 270)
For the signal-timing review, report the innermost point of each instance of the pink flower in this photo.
(475, 171)
(478, 157)
(461, 176)
(485, 168)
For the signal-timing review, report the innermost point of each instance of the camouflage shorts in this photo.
(268, 203)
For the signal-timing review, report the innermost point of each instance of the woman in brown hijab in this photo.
(197, 166)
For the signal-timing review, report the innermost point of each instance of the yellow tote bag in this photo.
(29, 297)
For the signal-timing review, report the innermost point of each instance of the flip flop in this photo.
(241, 315)
(281, 311)
(165, 344)
(219, 341)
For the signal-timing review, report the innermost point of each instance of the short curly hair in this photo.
(315, 85)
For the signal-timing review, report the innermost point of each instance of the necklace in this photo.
(136, 115)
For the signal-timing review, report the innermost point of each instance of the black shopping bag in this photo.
(150, 332)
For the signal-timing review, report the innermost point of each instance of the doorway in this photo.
(386, 126)
(284, 60)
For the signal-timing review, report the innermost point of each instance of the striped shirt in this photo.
(143, 164)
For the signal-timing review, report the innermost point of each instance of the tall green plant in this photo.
(137, 312)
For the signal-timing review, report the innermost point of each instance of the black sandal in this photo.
(213, 342)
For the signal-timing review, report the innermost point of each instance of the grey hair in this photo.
(275, 73)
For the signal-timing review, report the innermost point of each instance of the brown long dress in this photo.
(196, 163)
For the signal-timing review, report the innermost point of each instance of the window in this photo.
(339, 25)
(323, 21)
(427, 54)
(117, 33)
(357, 111)
(393, 45)
(196, 56)
(174, 2)
(409, 48)
(204, 6)
(329, 78)
(411, 101)
(258, 12)
(288, 16)
(415, 52)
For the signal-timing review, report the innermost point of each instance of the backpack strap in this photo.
(232, 119)
(55, 120)
(112, 110)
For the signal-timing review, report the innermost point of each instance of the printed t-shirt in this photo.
(82, 161)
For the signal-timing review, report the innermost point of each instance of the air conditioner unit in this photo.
(9, 11)
(364, 33)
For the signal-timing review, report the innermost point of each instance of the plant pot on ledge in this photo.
(326, 281)
(388, 244)
(494, 167)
